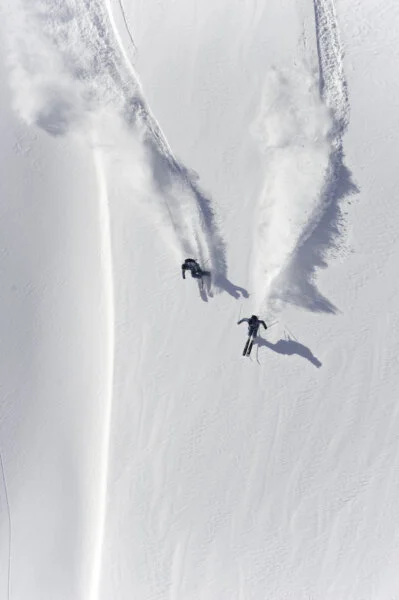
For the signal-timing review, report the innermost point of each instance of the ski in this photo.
(250, 348)
(253, 327)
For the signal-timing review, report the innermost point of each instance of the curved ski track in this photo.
(324, 230)
(188, 207)
(334, 93)
(215, 247)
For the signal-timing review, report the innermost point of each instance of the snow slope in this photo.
(141, 455)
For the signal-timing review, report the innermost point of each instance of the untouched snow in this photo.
(140, 454)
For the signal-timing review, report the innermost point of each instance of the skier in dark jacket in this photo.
(253, 325)
(191, 265)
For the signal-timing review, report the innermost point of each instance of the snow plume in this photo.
(323, 236)
(70, 74)
(158, 185)
(300, 126)
(293, 130)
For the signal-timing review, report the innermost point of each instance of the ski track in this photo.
(107, 265)
(80, 70)
(214, 250)
(292, 129)
(70, 75)
(333, 86)
(7, 503)
(323, 233)
(303, 118)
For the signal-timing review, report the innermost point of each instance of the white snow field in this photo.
(141, 455)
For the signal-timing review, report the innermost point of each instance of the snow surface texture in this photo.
(140, 454)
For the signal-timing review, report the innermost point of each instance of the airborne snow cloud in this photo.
(292, 129)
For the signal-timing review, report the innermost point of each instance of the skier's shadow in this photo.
(290, 347)
(234, 290)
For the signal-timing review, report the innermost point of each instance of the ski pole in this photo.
(291, 334)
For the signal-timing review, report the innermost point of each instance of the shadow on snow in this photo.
(290, 347)
(319, 240)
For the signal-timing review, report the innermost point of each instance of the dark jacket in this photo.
(253, 325)
(191, 265)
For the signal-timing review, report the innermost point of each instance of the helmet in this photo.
(254, 317)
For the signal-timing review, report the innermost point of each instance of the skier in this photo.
(191, 265)
(253, 326)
